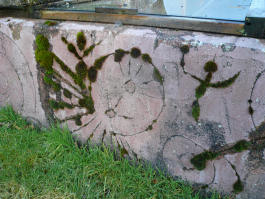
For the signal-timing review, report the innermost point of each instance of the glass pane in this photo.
(214, 9)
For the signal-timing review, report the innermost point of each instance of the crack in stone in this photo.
(85, 125)
(227, 116)
(251, 95)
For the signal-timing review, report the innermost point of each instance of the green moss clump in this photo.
(157, 76)
(196, 110)
(66, 69)
(147, 58)
(81, 69)
(79, 81)
(250, 110)
(100, 61)
(119, 54)
(90, 88)
(185, 49)
(89, 50)
(199, 161)
(81, 40)
(135, 52)
(55, 105)
(44, 58)
(210, 66)
(72, 49)
(66, 105)
(42, 43)
(55, 86)
(208, 78)
(241, 145)
(64, 40)
(50, 23)
(149, 128)
(87, 102)
(59, 105)
(78, 121)
(238, 186)
(92, 74)
(67, 93)
(200, 90)
(226, 83)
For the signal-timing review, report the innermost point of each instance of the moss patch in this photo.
(199, 161)
(67, 93)
(59, 105)
(226, 83)
(135, 52)
(78, 121)
(81, 69)
(210, 66)
(157, 76)
(42, 43)
(100, 61)
(241, 145)
(250, 110)
(88, 103)
(200, 90)
(50, 23)
(81, 40)
(64, 40)
(149, 128)
(185, 49)
(147, 58)
(119, 54)
(196, 110)
(44, 58)
(238, 186)
(72, 49)
(55, 86)
(92, 74)
(90, 49)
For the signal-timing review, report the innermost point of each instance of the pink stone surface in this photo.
(133, 110)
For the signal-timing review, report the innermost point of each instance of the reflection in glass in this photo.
(215, 9)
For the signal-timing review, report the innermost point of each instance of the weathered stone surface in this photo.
(145, 107)
(7, 3)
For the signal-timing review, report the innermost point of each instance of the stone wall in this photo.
(191, 103)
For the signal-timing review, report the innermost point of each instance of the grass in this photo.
(47, 163)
